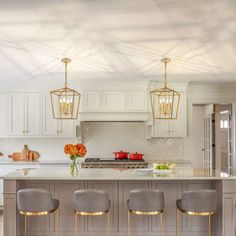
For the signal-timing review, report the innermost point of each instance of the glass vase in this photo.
(74, 167)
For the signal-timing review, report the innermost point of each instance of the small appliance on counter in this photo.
(25, 155)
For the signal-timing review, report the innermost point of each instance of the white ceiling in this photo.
(118, 39)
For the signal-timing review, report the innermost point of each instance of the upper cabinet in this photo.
(3, 114)
(55, 127)
(114, 101)
(30, 114)
(91, 101)
(24, 114)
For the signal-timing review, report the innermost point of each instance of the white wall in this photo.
(50, 149)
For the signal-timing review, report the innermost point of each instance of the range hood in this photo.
(114, 116)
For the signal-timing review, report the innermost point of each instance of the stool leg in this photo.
(108, 224)
(177, 221)
(209, 225)
(129, 223)
(25, 225)
(76, 224)
(161, 221)
(57, 221)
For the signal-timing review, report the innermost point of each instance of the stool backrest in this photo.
(34, 200)
(146, 200)
(200, 200)
(91, 200)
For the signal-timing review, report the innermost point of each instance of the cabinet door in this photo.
(16, 114)
(91, 101)
(195, 224)
(50, 125)
(99, 224)
(32, 114)
(172, 191)
(64, 191)
(228, 214)
(178, 127)
(66, 128)
(137, 101)
(139, 223)
(114, 101)
(3, 114)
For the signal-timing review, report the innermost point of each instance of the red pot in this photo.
(136, 156)
(121, 155)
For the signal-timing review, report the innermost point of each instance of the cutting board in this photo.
(20, 156)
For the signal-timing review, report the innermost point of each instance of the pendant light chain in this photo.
(165, 83)
(66, 74)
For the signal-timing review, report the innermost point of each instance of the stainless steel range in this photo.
(113, 163)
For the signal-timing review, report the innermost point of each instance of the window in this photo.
(224, 124)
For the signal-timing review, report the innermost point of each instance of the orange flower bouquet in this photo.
(75, 151)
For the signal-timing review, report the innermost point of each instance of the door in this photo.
(207, 157)
(32, 114)
(16, 114)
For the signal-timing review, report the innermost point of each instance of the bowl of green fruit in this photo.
(163, 168)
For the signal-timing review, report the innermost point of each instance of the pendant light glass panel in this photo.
(65, 101)
(165, 101)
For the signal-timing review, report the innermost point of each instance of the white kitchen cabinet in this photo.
(55, 127)
(24, 114)
(3, 114)
(114, 101)
(137, 101)
(32, 114)
(91, 101)
(172, 128)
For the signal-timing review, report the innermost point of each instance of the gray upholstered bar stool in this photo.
(37, 202)
(91, 202)
(197, 203)
(146, 202)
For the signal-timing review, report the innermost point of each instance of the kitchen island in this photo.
(118, 183)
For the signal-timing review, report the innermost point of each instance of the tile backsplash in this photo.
(103, 138)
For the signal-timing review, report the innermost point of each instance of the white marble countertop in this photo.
(63, 173)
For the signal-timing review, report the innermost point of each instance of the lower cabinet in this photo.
(64, 191)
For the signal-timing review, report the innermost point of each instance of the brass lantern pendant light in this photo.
(165, 101)
(65, 101)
